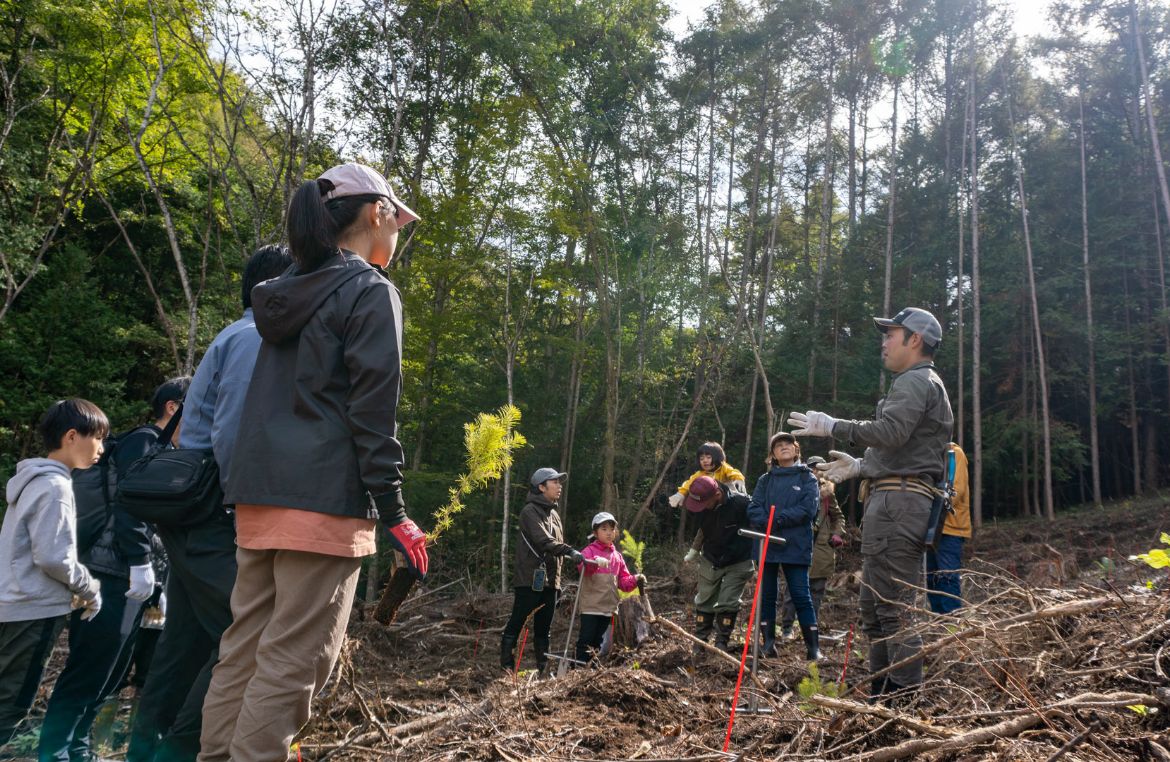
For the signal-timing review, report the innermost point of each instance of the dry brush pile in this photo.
(1030, 671)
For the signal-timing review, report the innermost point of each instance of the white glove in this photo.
(737, 486)
(91, 607)
(811, 424)
(691, 555)
(602, 563)
(676, 499)
(141, 582)
(842, 467)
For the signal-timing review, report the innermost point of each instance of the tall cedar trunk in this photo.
(509, 363)
(853, 94)
(774, 201)
(576, 370)
(1094, 447)
(1037, 331)
(734, 123)
(826, 227)
(1156, 146)
(1026, 445)
(961, 401)
(1150, 453)
(1136, 458)
(890, 208)
(976, 307)
(1034, 377)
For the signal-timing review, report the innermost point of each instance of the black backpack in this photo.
(93, 493)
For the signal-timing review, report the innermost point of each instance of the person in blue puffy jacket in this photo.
(792, 488)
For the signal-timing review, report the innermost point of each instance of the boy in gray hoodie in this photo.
(38, 549)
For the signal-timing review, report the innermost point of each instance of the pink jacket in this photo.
(599, 587)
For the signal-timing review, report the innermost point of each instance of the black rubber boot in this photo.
(768, 646)
(898, 695)
(704, 621)
(508, 653)
(812, 642)
(877, 687)
(541, 647)
(724, 626)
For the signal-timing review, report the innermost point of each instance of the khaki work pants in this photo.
(892, 546)
(720, 589)
(289, 614)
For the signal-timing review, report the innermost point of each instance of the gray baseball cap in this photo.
(914, 320)
(359, 180)
(542, 475)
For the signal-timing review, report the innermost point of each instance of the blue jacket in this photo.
(794, 492)
(215, 400)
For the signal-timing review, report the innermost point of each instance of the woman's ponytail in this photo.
(312, 231)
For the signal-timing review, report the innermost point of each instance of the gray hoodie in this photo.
(38, 544)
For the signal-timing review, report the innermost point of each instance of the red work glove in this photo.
(410, 541)
(836, 541)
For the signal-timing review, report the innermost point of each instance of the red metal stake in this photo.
(848, 648)
(475, 650)
(750, 628)
(520, 655)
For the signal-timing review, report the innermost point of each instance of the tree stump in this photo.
(631, 627)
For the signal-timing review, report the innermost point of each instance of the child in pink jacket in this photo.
(603, 573)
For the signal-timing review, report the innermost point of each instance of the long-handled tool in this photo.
(563, 665)
(753, 706)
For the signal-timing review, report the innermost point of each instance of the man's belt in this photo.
(913, 484)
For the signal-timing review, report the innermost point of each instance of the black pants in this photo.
(92, 672)
(593, 627)
(24, 649)
(527, 600)
(199, 591)
(143, 643)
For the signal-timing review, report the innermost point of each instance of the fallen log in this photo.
(844, 705)
(1005, 729)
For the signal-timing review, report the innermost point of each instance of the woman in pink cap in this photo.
(317, 463)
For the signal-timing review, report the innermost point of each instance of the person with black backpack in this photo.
(120, 559)
(202, 557)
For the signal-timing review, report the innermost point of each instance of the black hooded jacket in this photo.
(318, 432)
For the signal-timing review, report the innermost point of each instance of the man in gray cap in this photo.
(537, 572)
(903, 462)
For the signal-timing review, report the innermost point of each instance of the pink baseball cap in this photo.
(354, 179)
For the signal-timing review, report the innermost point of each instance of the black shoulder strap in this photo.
(169, 431)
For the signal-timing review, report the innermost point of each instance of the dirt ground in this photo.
(1059, 655)
(660, 702)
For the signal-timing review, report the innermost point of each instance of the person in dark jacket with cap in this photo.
(536, 576)
(202, 572)
(903, 462)
(791, 487)
(726, 560)
(317, 464)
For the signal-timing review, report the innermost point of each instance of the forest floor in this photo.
(1059, 654)
(1043, 663)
